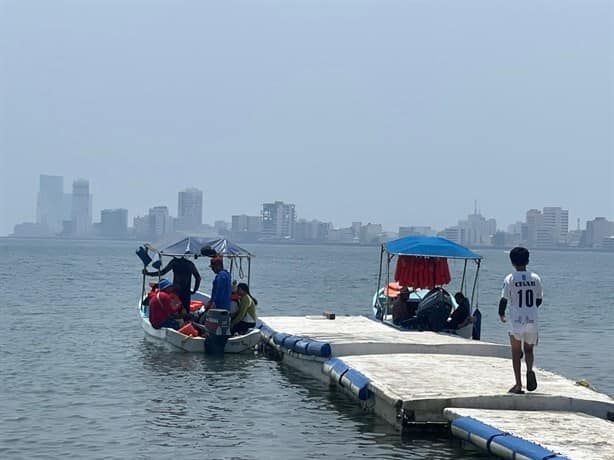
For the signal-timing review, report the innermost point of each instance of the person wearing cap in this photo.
(222, 286)
(165, 306)
(183, 271)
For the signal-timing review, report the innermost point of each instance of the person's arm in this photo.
(197, 278)
(243, 307)
(162, 272)
(502, 307)
(540, 291)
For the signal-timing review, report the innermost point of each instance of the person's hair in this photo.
(519, 256)
(245, 288)
(459, 295)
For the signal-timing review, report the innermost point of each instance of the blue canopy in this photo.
(192, 245)
(428, 246)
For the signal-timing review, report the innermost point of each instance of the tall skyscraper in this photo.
(278, 220)
(190, 209)
(49, 203)
(81, 207)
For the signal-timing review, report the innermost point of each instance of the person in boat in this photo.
(165, 308)
(522, 292)
(402, 308)
(461, 316)
(183, 271)
(222, 286)
(245, 319)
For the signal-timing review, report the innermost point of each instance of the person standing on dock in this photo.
(522, 289)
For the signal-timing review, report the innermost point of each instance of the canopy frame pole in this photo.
(462, 286)
(475, 282)
(249, 271)
(389, 257)
(379, 282)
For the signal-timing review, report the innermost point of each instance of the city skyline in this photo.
(175, 210)
(548, 227)
(404, 123)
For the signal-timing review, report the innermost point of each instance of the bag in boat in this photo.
(434, 310)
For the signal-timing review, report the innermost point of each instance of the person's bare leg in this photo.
(529, 356)
(516, 351)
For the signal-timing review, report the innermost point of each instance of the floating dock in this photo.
(412, 379)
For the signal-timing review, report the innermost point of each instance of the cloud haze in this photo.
(397, 112)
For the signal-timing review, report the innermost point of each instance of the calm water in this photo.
(79, 379)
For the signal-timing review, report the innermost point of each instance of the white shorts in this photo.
(530, 338)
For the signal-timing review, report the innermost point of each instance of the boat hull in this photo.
(235, 344)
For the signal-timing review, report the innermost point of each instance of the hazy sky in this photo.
(393, 111)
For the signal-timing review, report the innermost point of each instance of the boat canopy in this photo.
(428, 246)
(192, 245)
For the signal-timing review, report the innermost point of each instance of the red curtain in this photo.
(422, 272)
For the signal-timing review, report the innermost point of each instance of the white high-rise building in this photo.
(556, 225)
(81, 207)
(278, 220)
(49, 203)
(190, 209)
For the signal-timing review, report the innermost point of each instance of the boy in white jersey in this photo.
(522, 289)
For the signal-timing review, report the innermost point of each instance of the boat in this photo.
(422, 267)
(218, 340)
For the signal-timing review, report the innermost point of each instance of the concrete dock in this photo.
(573, 435)
(359, 335)
(411, 378)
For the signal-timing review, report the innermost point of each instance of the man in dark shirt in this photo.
(183, 270)
(461, 315)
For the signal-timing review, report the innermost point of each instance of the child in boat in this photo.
(522, 289)
(245, 319)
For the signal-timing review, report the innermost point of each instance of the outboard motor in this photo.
(434, 309)
(217, 325)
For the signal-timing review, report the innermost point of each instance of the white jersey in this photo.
(522, 289)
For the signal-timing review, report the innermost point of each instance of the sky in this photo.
(399, 112)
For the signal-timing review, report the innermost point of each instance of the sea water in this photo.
(80, 380)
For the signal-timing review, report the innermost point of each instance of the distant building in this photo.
(278, 220)
(30, 229)
(160, 222)
(415, 231)
(455, 234)
(343, 235)
(141, 227)
(598, 231)
(81, 207)
(190, 209)
(371, 233)
(246, 228)
(534, 221)
(311, 231)
(554, 228)
(221, 227)
(49, 204)
(114, 223)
